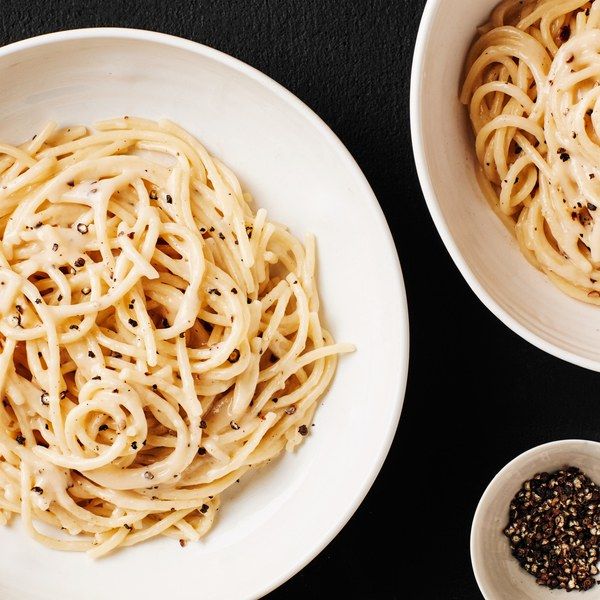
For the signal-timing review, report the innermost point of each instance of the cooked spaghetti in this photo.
(158, 337)
(533, 89)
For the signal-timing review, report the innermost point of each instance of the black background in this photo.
(477, 394)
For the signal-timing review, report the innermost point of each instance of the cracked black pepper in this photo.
(554, 529)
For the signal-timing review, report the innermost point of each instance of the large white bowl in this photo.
(279, 519)
(482, 248)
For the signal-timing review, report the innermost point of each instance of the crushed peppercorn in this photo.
(554, 529)
(565, 33)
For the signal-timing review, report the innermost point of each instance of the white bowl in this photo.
(481, 246)
(279, 519)
(498, 574)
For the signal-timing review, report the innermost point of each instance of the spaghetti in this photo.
(158, 338)
(533, 91)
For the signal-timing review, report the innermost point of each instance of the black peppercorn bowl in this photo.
(498, 573)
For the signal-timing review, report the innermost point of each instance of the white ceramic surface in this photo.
(279, 519)
(498, 574)
(482, 248)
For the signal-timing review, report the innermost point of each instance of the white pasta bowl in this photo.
(277, 520)
(498, 574)
(481, 246)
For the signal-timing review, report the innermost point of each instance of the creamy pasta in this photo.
(158, 336)
(532, 86)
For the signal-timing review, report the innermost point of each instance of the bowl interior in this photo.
(482, 247)
(278, 519)
(498, 573)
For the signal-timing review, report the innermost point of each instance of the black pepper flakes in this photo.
(82, 228)
(44, 399)
(290, 410)
(37, 490)
(234, 356)
(79, 262)
(202, 424)
(148, 475)
(103, 427)
(214, 291)
(133, 322)
(204, 509)
(91, 354)
(153, 195)
(169, 199)
(303, 430)
(20, 440)
(554, 529)
(234, 425)
(134, 445)
(564, 33)
(54, 247)
(201, 451)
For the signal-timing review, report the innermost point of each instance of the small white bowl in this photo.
(276, 521)
(482, 248)
(499, 575)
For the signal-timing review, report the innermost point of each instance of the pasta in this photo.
(158, 338)
(532, 86)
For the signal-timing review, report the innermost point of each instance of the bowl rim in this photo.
(397, 387)
(416, 128)
(477, 565)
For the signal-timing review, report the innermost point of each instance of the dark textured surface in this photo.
(350, 61)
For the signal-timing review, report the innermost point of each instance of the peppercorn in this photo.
(554, 529)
